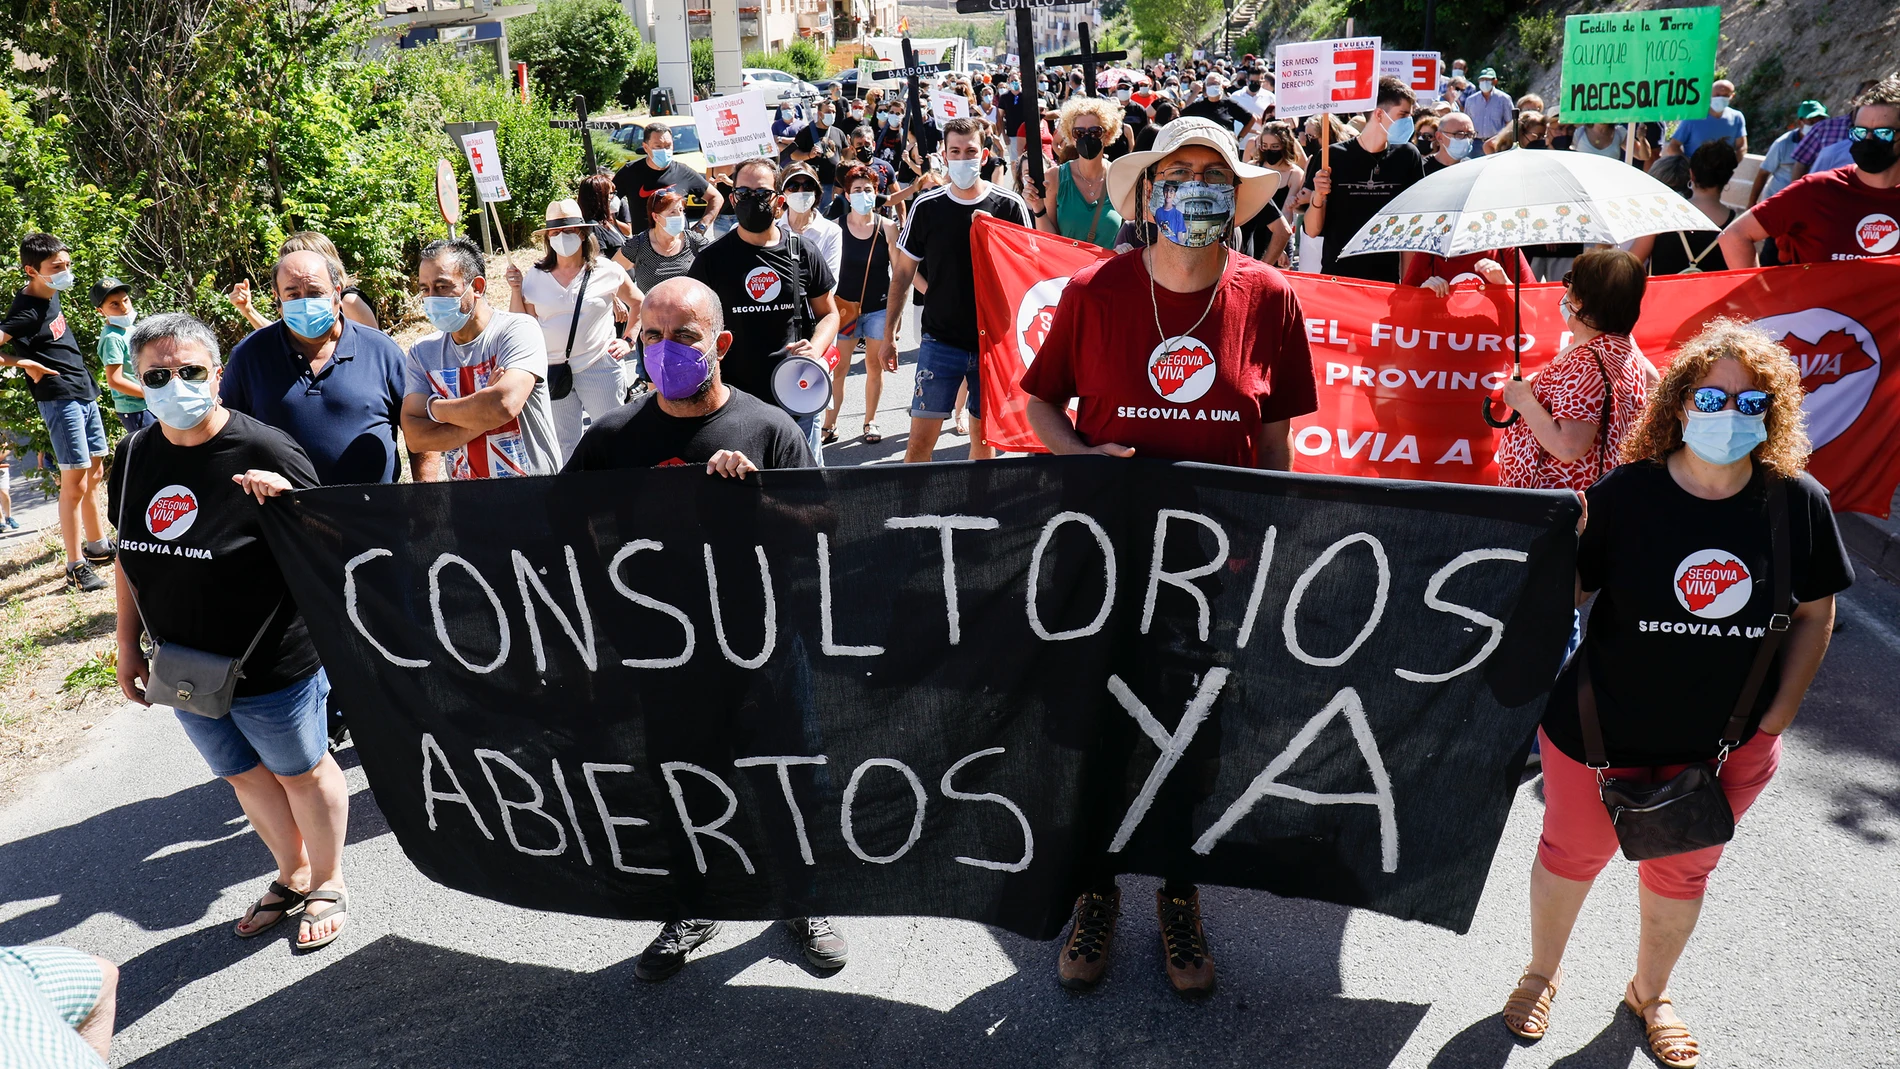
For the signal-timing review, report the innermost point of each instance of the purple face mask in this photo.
(677, 369)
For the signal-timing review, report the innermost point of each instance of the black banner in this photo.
(957, 690)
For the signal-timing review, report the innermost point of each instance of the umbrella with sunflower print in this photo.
(1526, 197)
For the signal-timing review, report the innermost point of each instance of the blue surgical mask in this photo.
(445, 313)
(62, 281)
(673, 224)
(125, 321)
(310, 317)
(661, 156)
(1401, 131)
(1015, 86)
(963, 173)
(1723, 437)
(1718, 104)
(863, 201)
(1461, 148)
(178, 404)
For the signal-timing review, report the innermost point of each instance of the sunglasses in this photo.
(1878, 133)
(1715, 399)
(157, 377)
(801, 185)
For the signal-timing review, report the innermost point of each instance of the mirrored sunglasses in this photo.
(1715, 399)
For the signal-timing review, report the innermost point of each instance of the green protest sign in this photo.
(1639, 66)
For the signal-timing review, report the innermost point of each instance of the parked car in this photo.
(686, 147)
(777, 84)
(847, 83)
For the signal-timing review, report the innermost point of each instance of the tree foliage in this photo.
(1173, 25)
(577, 46)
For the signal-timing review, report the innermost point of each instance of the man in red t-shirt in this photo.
(1184, 350)
(1849, 213)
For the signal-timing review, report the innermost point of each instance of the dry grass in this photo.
(56, 657)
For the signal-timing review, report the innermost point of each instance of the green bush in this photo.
(808, 60)
(1537, 35)
(576, 46)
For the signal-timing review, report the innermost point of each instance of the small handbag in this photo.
(1688, 811)
(561, 375)
(184, 678)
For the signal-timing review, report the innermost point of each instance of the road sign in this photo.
(448, 196)
(580, 125)
(576, 124)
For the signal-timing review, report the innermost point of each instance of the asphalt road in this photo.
(131, 851)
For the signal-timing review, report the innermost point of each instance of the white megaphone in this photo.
(802, 384)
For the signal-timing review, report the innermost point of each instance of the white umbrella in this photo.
(1526, 197)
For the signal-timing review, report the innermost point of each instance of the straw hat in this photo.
(563, 215)
(1257, 184)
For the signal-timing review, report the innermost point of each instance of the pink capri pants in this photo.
(1579, 840)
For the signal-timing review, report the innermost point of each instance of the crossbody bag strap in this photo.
(573, 325)
(1779, 619)
(800, 314)
(125, 492)
(877, 231)
(1594, 753)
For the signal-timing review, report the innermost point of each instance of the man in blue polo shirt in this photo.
(332, 384)
(1724, 122)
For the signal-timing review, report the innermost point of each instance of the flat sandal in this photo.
(1669, 1044)
(1530, 1004)
(289, 902)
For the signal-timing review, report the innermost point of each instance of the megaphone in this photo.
(802, 384)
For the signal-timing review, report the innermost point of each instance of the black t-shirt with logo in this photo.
(1363, 183)
(754, 285)
(40, 332)
(1684, 591)
(834, 144)
(637, 181)
(937, 233)
(641, 434)
(192, 545)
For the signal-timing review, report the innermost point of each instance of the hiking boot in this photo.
(100, 552)
(824, 947)
(667, 953)
(1083, 960)
(1190, 966)
(80, 576)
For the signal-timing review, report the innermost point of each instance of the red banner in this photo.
(1401, 372)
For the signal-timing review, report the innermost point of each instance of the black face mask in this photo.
(864, 155)
(1274, 156)
(1253, 87)
(1873, 156)
(1088, 145)
(753, 209)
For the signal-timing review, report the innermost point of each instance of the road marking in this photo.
(1863, 618)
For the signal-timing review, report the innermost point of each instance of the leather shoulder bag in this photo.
(192, 680)
(561, 375)
(1689, 811)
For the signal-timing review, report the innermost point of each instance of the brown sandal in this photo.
(1530, 1006)
(1671, 1044)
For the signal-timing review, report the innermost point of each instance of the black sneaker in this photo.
(667, 953)
(107, 552)
(80, 576)
(824, 947)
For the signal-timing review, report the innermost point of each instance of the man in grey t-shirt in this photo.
(477, 391)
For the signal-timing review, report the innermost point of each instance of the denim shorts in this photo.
(287, 731)
(78, 432)
(940, 370)
(868, 327)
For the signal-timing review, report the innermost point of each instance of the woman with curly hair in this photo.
(1681, 551)
(1080, 207)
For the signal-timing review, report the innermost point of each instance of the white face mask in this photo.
(963, 173)
(1124, 94)
(1718, 104)
(564, 243)
(1485, 84)
(801, 202)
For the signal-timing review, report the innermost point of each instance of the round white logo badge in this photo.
(762, 284)
(172, 512)
(1878, 233)
(1181, 369)
(1839, 360)
(1035, 314)
(1713, 584)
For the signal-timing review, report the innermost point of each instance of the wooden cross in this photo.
(580, 125)
(1088, 57)
(910, 72)
(1026, 49)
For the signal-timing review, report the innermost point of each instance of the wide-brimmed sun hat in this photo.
(563, 215)
(1256, 184)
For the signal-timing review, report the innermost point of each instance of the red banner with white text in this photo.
(1401, 372)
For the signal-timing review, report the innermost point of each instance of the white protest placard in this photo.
(1317, 77)
(1418, 70)
(734, 127)
(1200, 54)
(947, 106)
(484, 162)
(1010, 61)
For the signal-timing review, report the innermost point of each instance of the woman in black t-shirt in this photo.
(194, 571)
(1679, 552)
(864, 282)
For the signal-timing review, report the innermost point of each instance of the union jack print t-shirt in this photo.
(525, 445)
